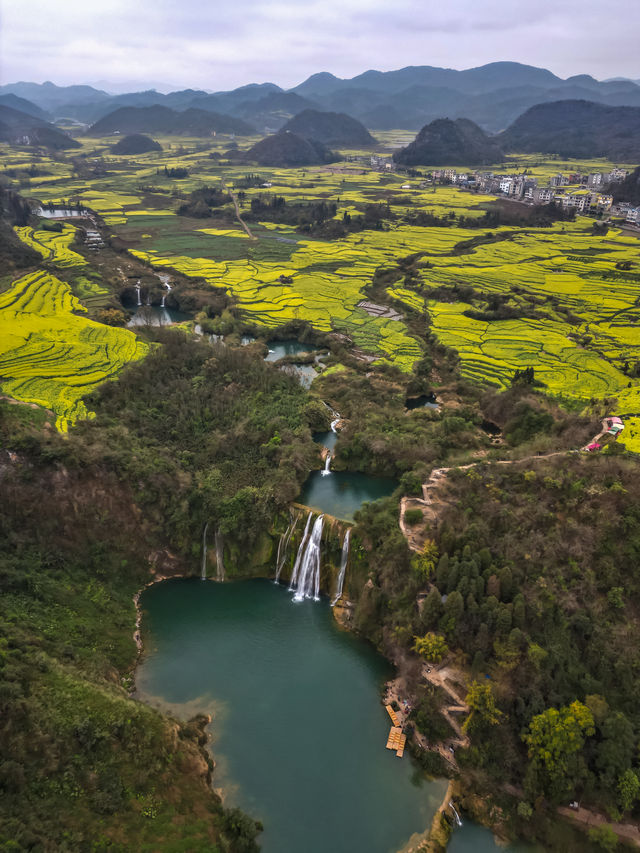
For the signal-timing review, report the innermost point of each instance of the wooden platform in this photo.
(396, 741)
(394, 717)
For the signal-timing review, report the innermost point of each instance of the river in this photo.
(298, 732)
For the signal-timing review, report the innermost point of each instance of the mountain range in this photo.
(492, 96)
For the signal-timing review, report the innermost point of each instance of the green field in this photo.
(573, 313)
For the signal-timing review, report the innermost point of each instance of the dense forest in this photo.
(192, 433)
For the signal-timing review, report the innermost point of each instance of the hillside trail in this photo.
(431, 507)
(237, 207)
(416, 535)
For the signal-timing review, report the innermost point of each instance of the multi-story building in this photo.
(617, 174)
(597, 179)
(542, 195)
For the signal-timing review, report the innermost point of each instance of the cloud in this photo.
(220, 45)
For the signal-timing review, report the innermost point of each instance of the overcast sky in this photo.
(216, 45)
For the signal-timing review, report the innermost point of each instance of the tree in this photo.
(554, 739)
(432, 608)
(628, 789)
(432, 647)
(424, 563)
(604, 836)
(615, 752)
(453, 610)
(482, 705)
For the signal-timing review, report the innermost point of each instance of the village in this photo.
(584, 193)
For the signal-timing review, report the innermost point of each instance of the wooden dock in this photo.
(396, 740)
(394, 717)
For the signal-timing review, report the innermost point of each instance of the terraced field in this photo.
(586, 312)
(53, 245)
(573, 314)
(50, 355)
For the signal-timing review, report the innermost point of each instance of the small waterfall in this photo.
(335, 418)
(300, 554)
(148, 298)
(327, 464)
(308, 580)
(219, 556)
(164, 278)
(203, 573)
(453, 809)
(283, 545)
(138, 292)
(343, 567)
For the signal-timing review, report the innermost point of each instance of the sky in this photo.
(209, 44)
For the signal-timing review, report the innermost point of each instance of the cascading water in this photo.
(335, 418)
(164, 278)
(203, 573)
(308, 578)
(453, 809)
(327, 464)
(219, 556)
(138, 292)
(343, 567)
(283, 545)
(300, 554)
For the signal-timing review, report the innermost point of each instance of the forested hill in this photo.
(160, 119)
(629, 189)
(577, 129)
(136, 143)
(191, 432)
(329, 128)
(24, 129)
(450, 143)
(288, 149)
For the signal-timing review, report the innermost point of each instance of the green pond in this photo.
(278, 349)
(472, 838)
(298, 731)
(341, 493)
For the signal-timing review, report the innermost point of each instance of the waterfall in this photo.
(327, 464)
(164, 278)
(203, 573)
(335, 417)
(219, 556)
(343, 567)
(453, 809)
(283, 545)
(148, 298)
(300, 554)
(138, 292)
(308, 579)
